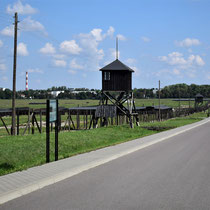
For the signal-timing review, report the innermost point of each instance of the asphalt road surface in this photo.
(173, 174)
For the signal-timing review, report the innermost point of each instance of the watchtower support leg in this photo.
(119, 101)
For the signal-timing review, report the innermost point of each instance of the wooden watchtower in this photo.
(198, 100)
(117, 88)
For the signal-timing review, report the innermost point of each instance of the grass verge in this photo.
(22, 152)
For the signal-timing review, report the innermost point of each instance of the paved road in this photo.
(173, 174)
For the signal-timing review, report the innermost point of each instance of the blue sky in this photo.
(65, 42)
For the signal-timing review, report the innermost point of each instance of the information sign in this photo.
(53, 111)
(51, 117)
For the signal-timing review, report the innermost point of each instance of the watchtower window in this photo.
(106, 75)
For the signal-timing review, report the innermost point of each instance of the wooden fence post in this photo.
(18, 121)
(40, 120)
(33, 123)
(78, 120)
(29, 121)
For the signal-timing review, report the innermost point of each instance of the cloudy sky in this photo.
(66, 42)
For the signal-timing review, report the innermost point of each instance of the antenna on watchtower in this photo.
(116, 48)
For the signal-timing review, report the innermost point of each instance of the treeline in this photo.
(171, 91)
(185, 91)
(174, 91)
(54, 92)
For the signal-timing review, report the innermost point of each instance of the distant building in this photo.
(155, 91)
(82, 91)
(55, 93)
(22, 96)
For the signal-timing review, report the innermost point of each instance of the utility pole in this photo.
(159, 101)
(14, 76)
(179, 101)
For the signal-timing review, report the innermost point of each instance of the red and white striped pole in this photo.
(26, 81)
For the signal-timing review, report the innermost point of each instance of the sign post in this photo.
(56, 132)
(51, 116)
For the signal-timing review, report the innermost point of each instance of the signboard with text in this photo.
(51, 118)
(53, 110)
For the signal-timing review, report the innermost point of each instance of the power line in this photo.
(39, 35)
(4, 21)
(6, 17)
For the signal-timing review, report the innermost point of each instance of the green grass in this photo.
(22, 152)
(68, 103)
(165, 101)
(172, 123)
(4, 103)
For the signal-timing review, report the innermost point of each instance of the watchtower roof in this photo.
(116, 65)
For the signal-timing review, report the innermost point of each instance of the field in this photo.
(68, 103)
(72, 103)
(21, 152)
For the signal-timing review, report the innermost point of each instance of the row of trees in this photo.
(185, 91)
(80, 95)
(171, 91)
(69, 93)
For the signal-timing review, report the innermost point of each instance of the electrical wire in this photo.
(6, 18)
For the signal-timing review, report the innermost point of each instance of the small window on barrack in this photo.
(106, 75)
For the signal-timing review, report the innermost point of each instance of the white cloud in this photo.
(90, 42)
(59, 56)
(113, 54)
(130, 61)
(121, 37)
(22, 49)
(70, 47)
(26, 24)
(72, 71)
(145, 39)
(74, 65)
(59, 63)
(136, 70)
(182, 67)
(197, 59)
(86, 47)
(91, 53)
(3, 67)
(188, 42)
(100, 54)
(97, 34)
(29, 24)
(176, 58)
(110, 31)
(1, 43)
(36, 70)
(21, 9)
(48, 49)
(8, 31)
